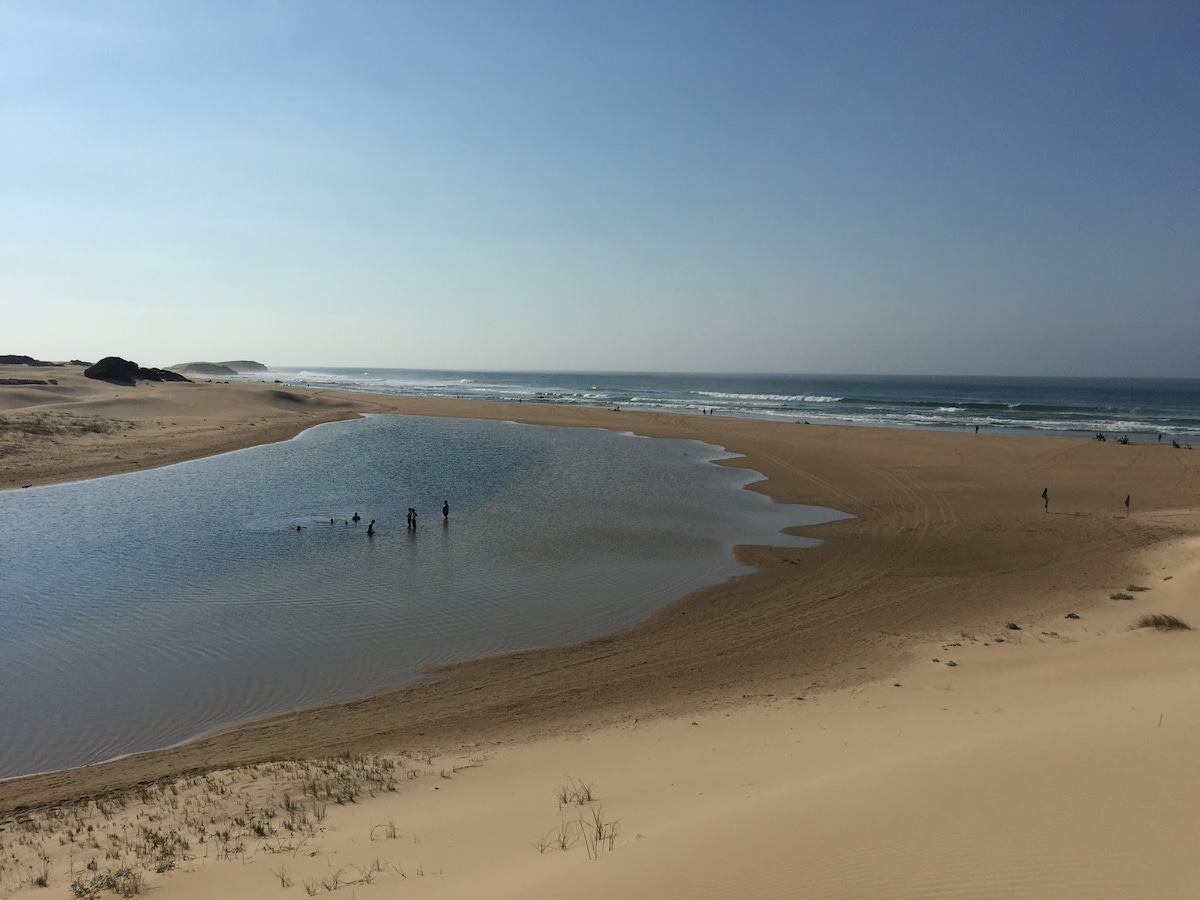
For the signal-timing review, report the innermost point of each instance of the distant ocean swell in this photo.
(1078, 406)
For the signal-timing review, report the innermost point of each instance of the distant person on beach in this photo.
(1046, 497)
(977, 429)
(355, 517)
(371, 529)
(445, 509)
(1127, 506)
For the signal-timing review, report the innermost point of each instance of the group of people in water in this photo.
(411, 517)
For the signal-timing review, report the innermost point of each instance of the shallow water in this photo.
(140, 610)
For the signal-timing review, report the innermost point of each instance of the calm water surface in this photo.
(144, 609)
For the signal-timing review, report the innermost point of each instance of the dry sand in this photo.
(1050, 761)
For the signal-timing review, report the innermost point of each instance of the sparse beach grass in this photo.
(1160, 622)
(19, 432)
(116, 844)
(596, 830)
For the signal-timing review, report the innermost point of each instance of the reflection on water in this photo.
(140, 610)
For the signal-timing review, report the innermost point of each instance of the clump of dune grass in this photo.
(591, 825)
(1136, 588)
(1120, 595)
(1161, 622)
(579, 793)
(124, 882)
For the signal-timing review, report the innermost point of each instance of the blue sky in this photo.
(900, 187)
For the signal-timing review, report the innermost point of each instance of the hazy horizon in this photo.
(299, 367)
(930, 188)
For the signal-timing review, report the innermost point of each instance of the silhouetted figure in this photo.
(298, 527)
(1046, 497)
(445, 509)
(977, 429)
(355, 517)
(371, 529)
(1127, 506)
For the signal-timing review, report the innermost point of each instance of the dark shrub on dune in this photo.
(115, 370)
(18, 360)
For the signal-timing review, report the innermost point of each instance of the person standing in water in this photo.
(371, 529)
(445, 510)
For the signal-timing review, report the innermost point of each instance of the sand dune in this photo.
(96, 428)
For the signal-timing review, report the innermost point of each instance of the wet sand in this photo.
(950, 544)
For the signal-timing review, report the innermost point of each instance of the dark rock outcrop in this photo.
(15, 360)
(115, 370)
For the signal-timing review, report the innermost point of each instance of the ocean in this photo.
(1137, 407)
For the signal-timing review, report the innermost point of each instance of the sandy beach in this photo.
(905, 711)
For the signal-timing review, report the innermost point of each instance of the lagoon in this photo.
(140, 610)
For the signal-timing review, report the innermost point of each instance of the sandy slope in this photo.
(1035, 766)
(1041, 765)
